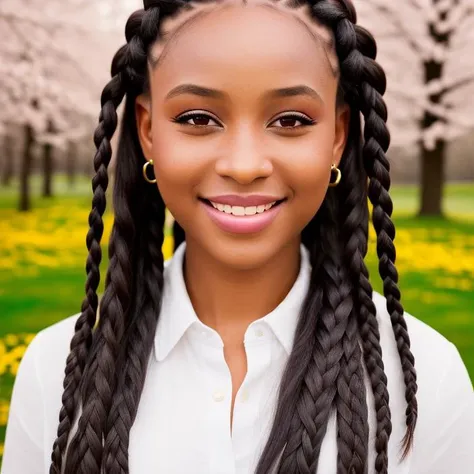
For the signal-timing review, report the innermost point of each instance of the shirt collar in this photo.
(177, 312)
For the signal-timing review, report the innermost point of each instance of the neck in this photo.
(228, 299)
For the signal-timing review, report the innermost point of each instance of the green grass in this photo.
(458, 199)
(32, 302)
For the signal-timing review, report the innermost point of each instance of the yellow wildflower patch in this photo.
(10, 356)
(49, 238)
(423, 250)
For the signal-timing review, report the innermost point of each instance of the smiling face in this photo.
(242, 115)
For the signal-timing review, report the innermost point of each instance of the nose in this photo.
(244, 159)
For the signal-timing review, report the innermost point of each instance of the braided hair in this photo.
(337, 334)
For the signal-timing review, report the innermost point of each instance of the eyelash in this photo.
(181, 119)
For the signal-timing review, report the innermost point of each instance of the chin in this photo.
(245, 252)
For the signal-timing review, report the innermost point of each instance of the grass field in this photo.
(42, 260)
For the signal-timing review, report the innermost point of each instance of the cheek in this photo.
(179, 167)
(307, 164)
(306, 169)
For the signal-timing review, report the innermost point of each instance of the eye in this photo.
(292, 119)
(200, 119)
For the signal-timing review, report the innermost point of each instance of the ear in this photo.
(343, 114)
(143, 119)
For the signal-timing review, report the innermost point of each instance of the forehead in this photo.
(216, 34)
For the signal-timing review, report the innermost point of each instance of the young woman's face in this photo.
(243, 114)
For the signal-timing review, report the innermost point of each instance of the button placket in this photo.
(247, 409)
(216, 381)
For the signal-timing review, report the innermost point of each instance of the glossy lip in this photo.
(242, 224)
(244, 201)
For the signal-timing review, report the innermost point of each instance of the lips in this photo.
(255, 215)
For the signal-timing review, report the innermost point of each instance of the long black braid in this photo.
(371, 86)
(377, 139)
(80, 344)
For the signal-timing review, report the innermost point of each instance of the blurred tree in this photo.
(48, 164)
(57, 54)
(25, 170)
(8, 159)
(426, 48)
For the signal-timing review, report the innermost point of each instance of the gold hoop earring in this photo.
(144, 172)
(334, 183)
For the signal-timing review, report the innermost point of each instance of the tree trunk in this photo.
(432, 161)
(25, 201)
(432, 179)
(7, 174)
(48, 166)
(71, 159)
(47, 169)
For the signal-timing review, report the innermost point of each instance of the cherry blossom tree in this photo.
(425, 46)
(54, 60)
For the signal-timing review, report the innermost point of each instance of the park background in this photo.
(54, 60)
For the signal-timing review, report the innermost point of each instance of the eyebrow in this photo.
(294, 91)
(195, 90)
(200, 91)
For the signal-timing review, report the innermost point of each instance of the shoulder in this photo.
(429, 347)
(442, 377)
(36, 397)
(422, 336)
(53, 341)
(444, 394)
(45, 358)
(52, 344)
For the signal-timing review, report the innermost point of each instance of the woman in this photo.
(258, 347)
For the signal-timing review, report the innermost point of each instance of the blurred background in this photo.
(55, 57)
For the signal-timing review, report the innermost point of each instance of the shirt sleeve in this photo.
(449, 445)
(23, 450)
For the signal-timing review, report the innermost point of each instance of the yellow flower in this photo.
(10, 359)
(28, 338)
(11, 339)
(3, 352)
(4, 407)
(42, 239)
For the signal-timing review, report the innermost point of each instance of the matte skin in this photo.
(242, 147)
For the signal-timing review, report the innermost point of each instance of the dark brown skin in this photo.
(242, 147)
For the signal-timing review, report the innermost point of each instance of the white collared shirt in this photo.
(183, 420)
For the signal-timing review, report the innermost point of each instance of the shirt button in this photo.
(244, 396)
(258, 332)
(218, 396)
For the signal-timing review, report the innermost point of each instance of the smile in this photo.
(242, 211)
(242, 219)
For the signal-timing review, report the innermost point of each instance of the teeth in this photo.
(242, 211)
(250, 211)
